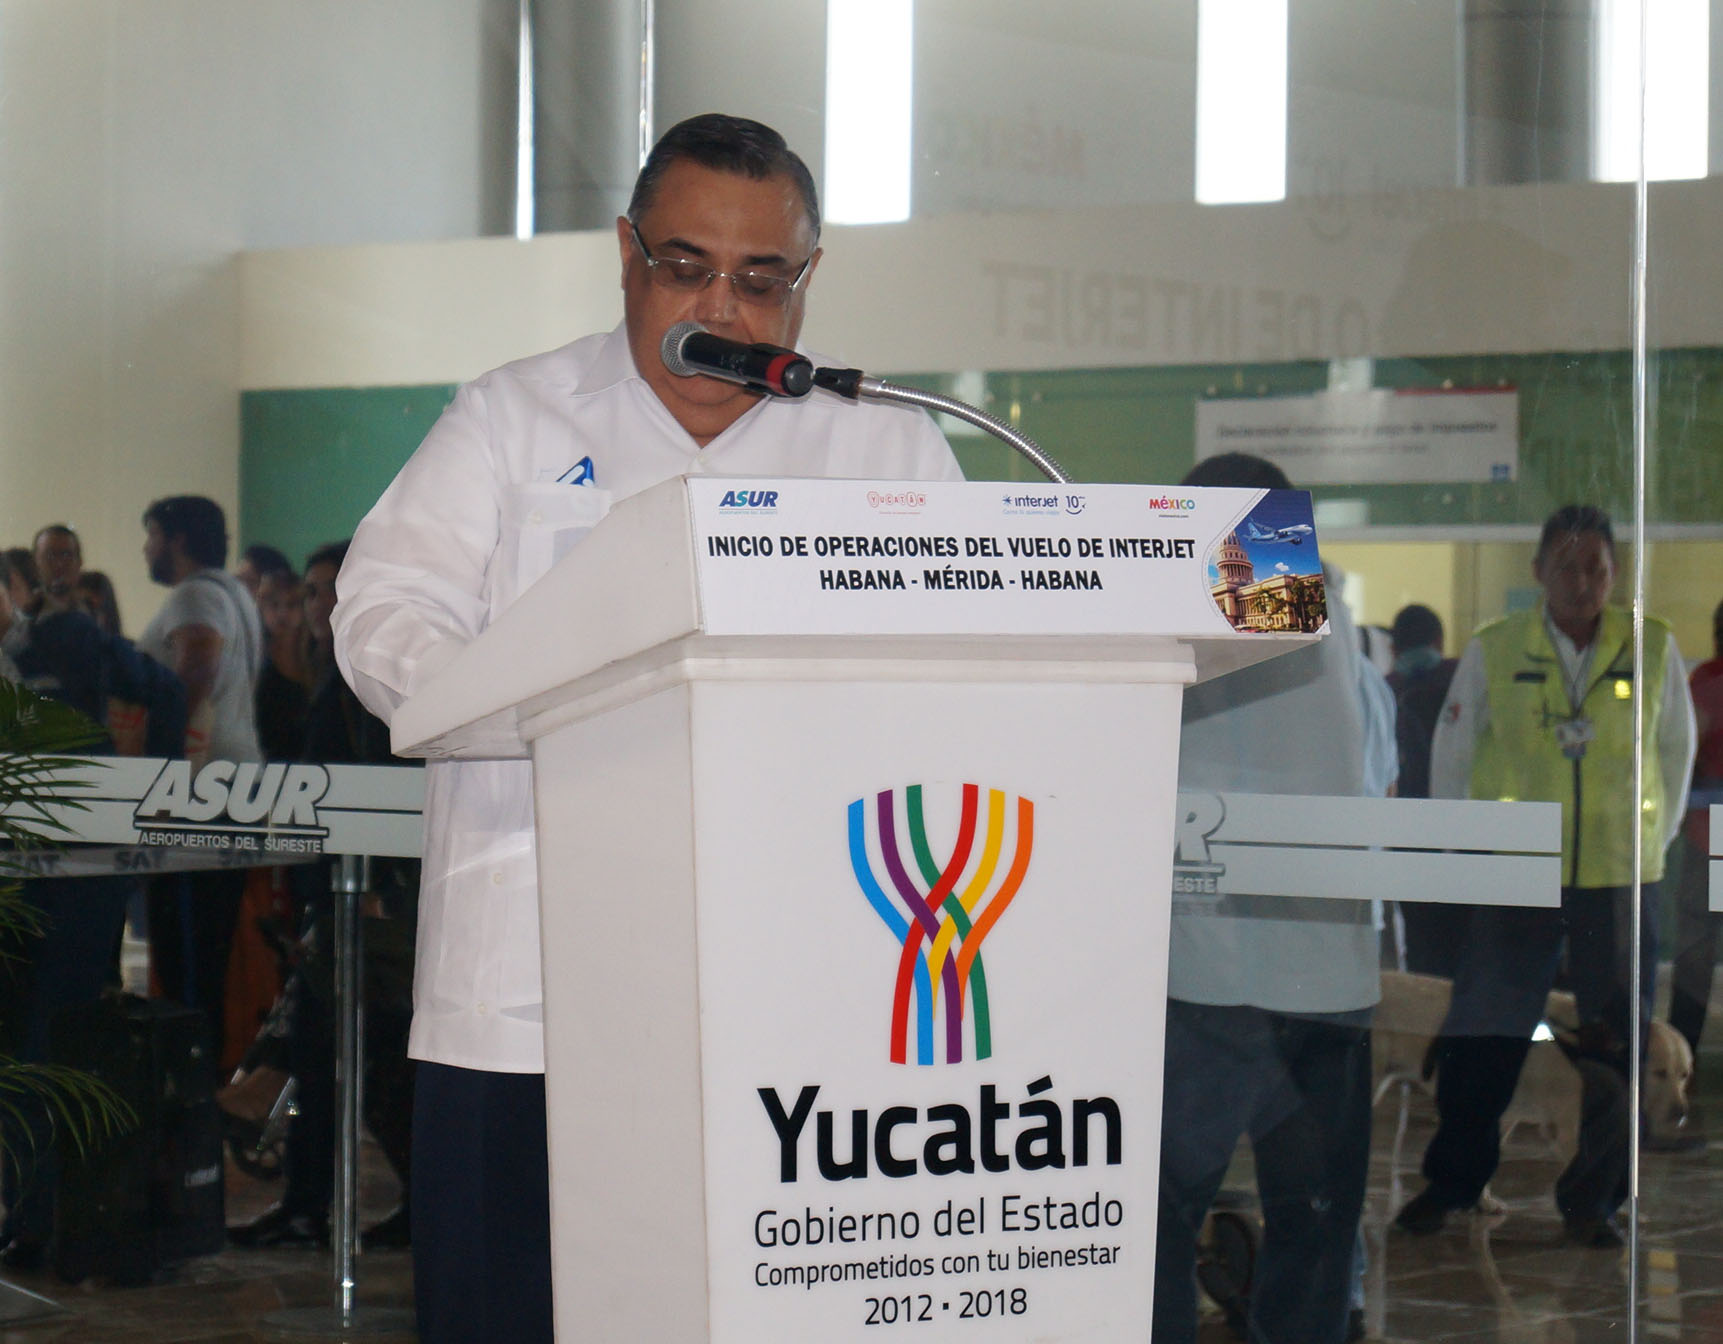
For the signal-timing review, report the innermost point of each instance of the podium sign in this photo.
(884, 994)
(854, 813)
(918, 949)
(917, 558)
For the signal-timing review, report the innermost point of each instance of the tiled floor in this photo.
(1501, 1280)
(227, 1298)
(1509, 1278)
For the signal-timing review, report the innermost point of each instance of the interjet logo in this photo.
(940, 911)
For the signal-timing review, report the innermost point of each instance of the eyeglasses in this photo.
(762, 289)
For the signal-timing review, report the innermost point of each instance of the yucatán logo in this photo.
(243, 806)
(749, 501)
(897, 501)
(1195, 873)
(940, 912)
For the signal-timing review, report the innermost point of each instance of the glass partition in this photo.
(1401, 253)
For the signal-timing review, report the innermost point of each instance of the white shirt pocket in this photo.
(541, 523)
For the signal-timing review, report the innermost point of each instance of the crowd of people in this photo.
(234, 666)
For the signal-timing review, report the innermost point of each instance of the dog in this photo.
(1547, 1097)
(1664, 1094)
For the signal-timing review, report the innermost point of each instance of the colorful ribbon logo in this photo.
(944, 917)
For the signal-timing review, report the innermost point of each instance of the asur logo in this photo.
(1195, 873)
(754, 501)
(227, 794)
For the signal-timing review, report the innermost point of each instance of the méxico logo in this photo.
(940, 911)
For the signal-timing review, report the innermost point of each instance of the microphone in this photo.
(689, 349)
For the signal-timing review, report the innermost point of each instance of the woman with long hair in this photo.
(94, 592)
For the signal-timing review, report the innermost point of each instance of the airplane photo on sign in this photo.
(1295, 533)
(1262, 576)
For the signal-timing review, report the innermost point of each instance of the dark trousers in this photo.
(308, 1162)
(1301, 1089)
(68, 965)
(309, 1165)
(1695, 942)
(1435, 936)
(480, 1207)
(192, 919)
(1507, 967)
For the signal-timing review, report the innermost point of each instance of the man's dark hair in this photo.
(1239, 471)
(725, 144)
(57, 530)
(198, 522)
(266, 560)
(21, 560)
(332, 554)
(1575, 520)
(1416, 627)
(1717, 630)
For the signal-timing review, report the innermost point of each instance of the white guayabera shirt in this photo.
(522, 464)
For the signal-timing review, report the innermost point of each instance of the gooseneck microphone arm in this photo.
(855, 384)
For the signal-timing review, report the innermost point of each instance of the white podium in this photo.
(855, 821)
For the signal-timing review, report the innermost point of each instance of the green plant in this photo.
(37, 787)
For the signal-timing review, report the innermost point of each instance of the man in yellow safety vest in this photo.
(1543, 708)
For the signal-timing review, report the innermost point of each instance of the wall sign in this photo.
(1381, 436)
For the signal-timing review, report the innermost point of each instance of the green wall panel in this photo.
(1576, 426)
(312, 462)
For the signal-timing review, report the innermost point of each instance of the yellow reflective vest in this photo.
(1537, 746)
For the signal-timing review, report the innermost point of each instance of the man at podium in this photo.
(723, 230)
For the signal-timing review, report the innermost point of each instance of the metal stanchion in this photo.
(346, 1318)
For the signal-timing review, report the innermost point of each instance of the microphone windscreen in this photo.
(671, 348)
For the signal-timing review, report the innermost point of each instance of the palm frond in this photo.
(39, 775)
(34, 793)
(32, 724)
(77, 1105)
(40, 779)
(20, 921)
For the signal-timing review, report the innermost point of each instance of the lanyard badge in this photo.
(1573, 736)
